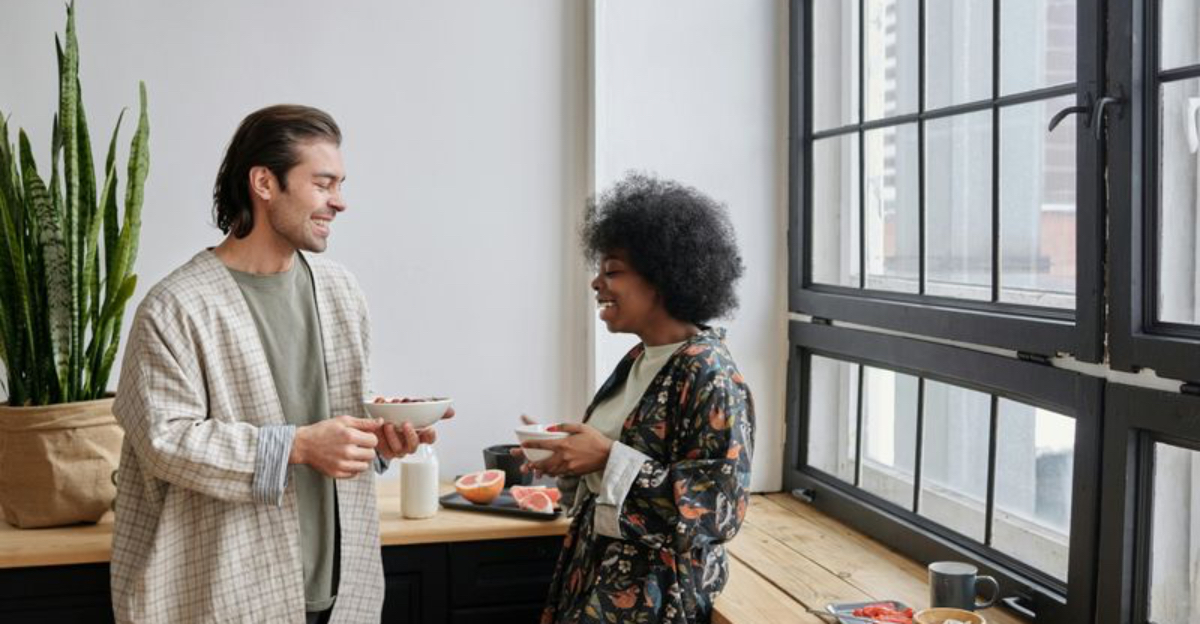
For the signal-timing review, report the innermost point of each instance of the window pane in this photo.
(1035, 457)
(893, 217)
(1180, 41)
(833, 416)
(1037, 205)
(835, 63)
(954, 458)
(1175, 536)
(958, 206)
(958, 52)
(1037, 44)
(889, 435)
(835, 187)
(891, 58)
(1179, 203)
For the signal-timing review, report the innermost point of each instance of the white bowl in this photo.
(420, 414)
(526, 433)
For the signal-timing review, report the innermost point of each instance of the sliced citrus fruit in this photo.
(519, 492)
(482, 487)
(536, 501)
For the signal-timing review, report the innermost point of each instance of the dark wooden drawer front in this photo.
(68, 594)
(502, 572)
(508, 614)
(414, 584)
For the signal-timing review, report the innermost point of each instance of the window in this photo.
(1154, 155)
(913, 119)
(1022, 174)
(952, 453)
(1150, 541)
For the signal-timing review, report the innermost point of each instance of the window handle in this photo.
(1085, 110)
(1193, 132)
(1100, 105)
(1021, 604)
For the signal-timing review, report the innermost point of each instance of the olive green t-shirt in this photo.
(284, 308)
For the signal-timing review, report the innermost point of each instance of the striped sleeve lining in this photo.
(271, 463)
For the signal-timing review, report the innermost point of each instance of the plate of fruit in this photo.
(878, 612)
(484, 491)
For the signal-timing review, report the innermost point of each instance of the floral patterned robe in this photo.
(696, 423)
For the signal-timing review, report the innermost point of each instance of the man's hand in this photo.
(340, 447)
(584, 451)
(400, 442)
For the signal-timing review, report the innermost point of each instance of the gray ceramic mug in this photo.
(955, 584)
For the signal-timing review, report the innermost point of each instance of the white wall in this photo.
(465, 138)
(468, 155)
(696, 90)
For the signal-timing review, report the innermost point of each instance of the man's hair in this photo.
(267, 137)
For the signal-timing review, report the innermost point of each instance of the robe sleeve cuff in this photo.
(624, 464)
(271, 463)
(381, 464)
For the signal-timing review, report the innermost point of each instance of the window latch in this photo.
(1083, 110)
(1036, 358)
(1089, 112)
(806, 495)
(1022, 603)
(1103, 102)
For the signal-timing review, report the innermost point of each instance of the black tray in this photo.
(847, 609)
(504, 504)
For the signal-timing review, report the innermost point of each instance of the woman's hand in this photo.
(584, 451)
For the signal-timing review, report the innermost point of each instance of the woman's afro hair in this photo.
(677, 238)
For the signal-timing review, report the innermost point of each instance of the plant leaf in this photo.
(49, 227)
(109, 203)
(135, 186)
(114, 314)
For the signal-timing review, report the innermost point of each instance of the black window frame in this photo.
(1137, 338)
(1028, 590)
(1135, 419)
(1042, 331)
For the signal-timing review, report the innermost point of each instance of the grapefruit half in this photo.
(481, 487)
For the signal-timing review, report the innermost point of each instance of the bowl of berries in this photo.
(419, 412)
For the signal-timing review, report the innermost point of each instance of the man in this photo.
(246, 490)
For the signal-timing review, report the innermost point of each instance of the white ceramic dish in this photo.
(942, 614)
(420, 414)
(525, 433)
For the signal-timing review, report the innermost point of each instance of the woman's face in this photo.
(628, 303)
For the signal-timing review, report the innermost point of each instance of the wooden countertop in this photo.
(789, 557)
(92, 543)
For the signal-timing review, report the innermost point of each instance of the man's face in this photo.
(303, 214)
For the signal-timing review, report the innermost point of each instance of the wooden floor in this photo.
(789, 557)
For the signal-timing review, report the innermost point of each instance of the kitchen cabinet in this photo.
(69, 594)
(493, 581)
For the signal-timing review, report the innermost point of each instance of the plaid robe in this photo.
(191, 542)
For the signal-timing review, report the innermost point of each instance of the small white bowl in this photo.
(420, 414)
(526, 433)
(938, 615)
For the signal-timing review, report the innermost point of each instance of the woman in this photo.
(661, 465)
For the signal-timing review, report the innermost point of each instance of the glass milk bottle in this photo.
(419, 483)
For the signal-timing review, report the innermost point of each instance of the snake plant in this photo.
(62, 292)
